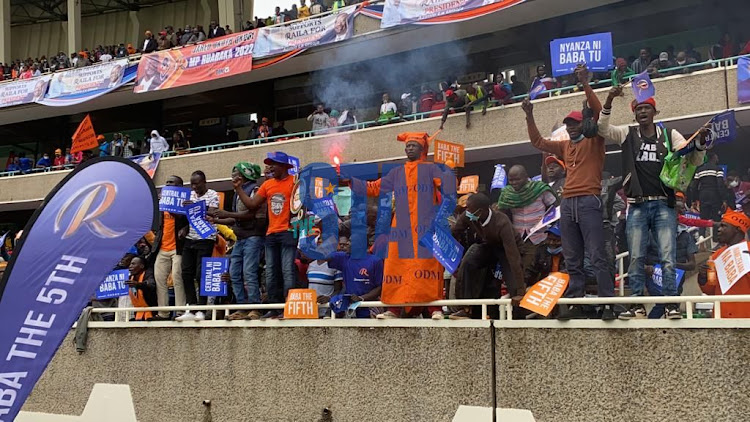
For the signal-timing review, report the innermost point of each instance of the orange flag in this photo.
(301, 304)
(85, 137)
(543, 296)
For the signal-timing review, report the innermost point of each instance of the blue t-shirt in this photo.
(44, 162)
(360, 275)
(25, 163)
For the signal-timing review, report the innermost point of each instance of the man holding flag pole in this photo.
(652, 172)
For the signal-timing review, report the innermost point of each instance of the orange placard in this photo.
(543, 296)
(221, 200)
(445, 151)
(301, 304)
(469, 184)
(85, 137)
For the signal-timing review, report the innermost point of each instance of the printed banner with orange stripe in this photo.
(217, 58)
(399, 12)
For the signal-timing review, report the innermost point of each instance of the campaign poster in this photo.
(399, 12)
(306, 33)
(87, 79)
(216, 58)
(23, 91)
(115, 285)
(211, 271)
(172, 198)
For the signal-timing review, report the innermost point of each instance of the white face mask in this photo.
(734, 183)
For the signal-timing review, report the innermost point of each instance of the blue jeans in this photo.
(244, 263)
(659, 218)
(281, 249)
(582, 230)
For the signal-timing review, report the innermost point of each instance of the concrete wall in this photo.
(416, 373)
(700, 92)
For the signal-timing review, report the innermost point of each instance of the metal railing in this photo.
(410, 117)
(505, 307)
(620, 258)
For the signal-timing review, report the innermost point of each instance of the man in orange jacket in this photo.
(732, 230)
(411, 274)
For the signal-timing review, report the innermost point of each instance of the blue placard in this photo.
(172, 198)
(656, 278)
(211, 271)
(114, 285)
(197, 217)
(594, 50)
(537, 87)
(723, 128)
(500, 178)
(294, 161)
(444, 247)
(743, 80)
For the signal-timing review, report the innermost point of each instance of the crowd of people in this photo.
(642, 212)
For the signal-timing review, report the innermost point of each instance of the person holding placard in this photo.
(142, 288)
(168, 243)
(732, 231)
(581, 206)
(197, 247)
(648, 161)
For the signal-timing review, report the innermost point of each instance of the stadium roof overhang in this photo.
(25, 12)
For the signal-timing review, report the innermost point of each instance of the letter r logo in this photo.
(87, 214)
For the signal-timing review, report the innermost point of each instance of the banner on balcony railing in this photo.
(399, 12)
(72, 242)
(743, 80)
(306, 33)
(87, 79)
(128, 75)
(217, 58)
(23, 91)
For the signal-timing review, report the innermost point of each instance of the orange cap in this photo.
(737, 219)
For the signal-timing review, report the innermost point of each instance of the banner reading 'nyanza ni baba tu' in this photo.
(218, 58)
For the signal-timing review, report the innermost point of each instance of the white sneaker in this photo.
(200, 316)
(187, 316)
(387, 315)
(438, 316)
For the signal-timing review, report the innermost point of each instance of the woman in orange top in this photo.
(142, 288)
(411, 273)
(732, 230)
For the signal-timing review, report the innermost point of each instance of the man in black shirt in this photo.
(709, 188)
(644, 150)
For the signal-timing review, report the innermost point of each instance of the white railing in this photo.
(621, 274)
(504, 305)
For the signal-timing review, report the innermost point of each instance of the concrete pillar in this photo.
(5, 53)
(74, 26)
(229, 13)
(135, 29)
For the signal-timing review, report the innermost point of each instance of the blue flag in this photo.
(211, 271)
(114, 285)
(172, 198)
(196, 214)
(655, 285)
(723, 128)
(500, 178)
(83, 228)
(444, 247)
(643, 88)
(536, 88)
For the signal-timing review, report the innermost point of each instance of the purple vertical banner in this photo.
(72, 242)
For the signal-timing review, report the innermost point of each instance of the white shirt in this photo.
(105, 57)
(158, 144)
(211, 198)
(386, 107)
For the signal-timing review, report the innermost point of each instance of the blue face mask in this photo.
(578, 139)
(555, 251)
(471, 216)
